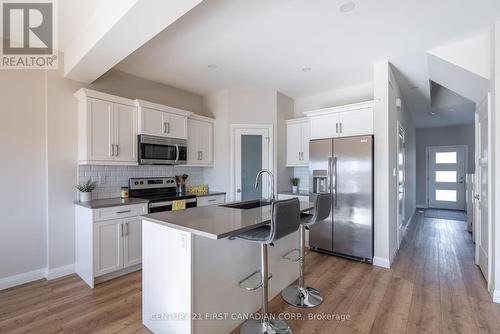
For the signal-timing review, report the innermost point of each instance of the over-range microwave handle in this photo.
(178, 152)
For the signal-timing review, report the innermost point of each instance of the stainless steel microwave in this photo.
(155, 150)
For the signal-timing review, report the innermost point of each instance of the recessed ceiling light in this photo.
(212, 66)
(347, 7)
(306, 69)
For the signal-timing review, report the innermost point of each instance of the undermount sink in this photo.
(247, 204)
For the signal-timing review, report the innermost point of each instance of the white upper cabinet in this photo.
(107, 129)
(297, 142)
(200, 141)
(159, 120)
(344, 121)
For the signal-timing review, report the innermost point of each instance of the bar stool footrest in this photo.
(242, 284)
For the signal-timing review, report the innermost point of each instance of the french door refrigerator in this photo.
(343, 167)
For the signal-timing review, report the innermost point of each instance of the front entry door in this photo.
(446, 177)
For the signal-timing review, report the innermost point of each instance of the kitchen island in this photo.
(191, 270)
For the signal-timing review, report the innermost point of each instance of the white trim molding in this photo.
(35, 275)
(60, 271)
(495, 294)
(30, 276)
(381, 262)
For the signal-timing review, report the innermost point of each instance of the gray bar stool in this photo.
(300, 295)
(284, 221)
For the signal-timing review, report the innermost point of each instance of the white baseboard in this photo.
(60, 271)
(35, 275)
(495, 294)
(30, 276)
(381, 262)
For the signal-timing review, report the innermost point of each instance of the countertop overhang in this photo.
(216, 222)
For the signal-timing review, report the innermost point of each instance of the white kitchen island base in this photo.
(190, 282)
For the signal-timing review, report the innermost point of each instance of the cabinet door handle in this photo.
(167, 127)
(126, 211)
(164, 127)
(126, 228)
(336, 127)
(212, 200)
(121, 230)
(117, 150)
(112, 150)
(340, 127)
(201, 155)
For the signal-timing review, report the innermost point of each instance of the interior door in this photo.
(446, 177)
(250, 156)
(125, 119)
(101, 130)
(401, 182)
(482, 206)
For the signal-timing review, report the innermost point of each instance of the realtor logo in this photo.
(28, 34)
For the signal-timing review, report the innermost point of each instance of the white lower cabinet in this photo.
(108, 241)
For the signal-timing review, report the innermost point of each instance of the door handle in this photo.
(238, 190)
(126, 211)
(477, 197)
(201, 155)
(117, 150)
(112, 150)
(336, 127)
(164, 127)
(167, 126)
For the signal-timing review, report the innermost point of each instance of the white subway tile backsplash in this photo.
(303, 174)
(111, 178)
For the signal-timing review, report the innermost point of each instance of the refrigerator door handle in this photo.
(334, 180)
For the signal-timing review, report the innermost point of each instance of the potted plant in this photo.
(295, 184)
(85, 190)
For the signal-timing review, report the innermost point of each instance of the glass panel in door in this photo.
(251, 164)
(446, 177)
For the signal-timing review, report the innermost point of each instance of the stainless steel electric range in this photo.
(160, 191)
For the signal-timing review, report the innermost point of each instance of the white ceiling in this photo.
(267, 43)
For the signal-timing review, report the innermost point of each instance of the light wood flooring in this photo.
(433, 287)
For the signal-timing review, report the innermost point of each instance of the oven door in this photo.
(167, 205)
(161, 151)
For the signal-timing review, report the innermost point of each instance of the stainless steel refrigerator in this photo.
(343, 167)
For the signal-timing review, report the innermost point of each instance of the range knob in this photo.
(136, 183)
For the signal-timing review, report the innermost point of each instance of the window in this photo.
(446, 177)
(446, 195)
(446, 158)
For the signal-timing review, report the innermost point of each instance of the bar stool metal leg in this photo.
(265, 325)
(300, 295)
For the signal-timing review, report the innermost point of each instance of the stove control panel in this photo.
(151, 183)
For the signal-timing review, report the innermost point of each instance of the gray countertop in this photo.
(216, 222)
(111, 202)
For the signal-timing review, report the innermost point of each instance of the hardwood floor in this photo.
(433, 287)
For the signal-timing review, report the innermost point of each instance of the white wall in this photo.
(240, 106)
(39, 140)
(24, 172)
(386, 116)
(352, 94)
(285, 108)
(442, 136)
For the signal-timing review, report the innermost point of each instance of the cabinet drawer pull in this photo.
(126, 211)
(212, 200)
